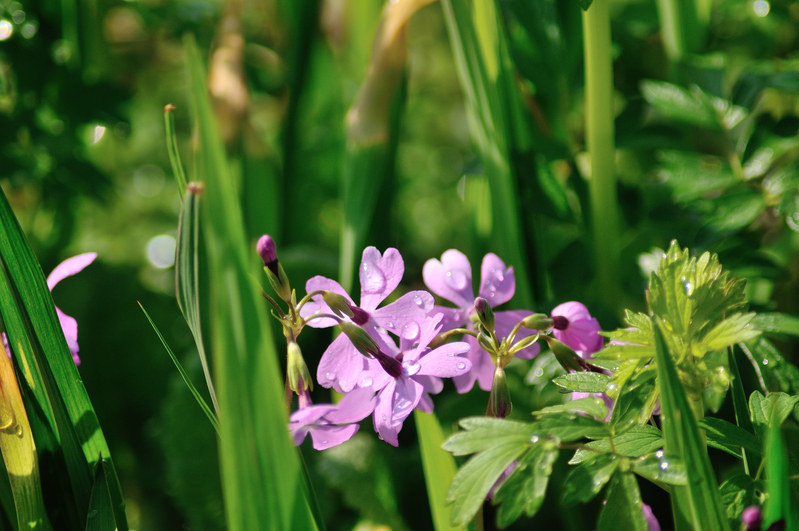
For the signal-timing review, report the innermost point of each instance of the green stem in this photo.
(601, 146)
(683, 26)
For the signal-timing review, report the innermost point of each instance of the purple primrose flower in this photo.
(451, 279)
(574, 327)
(67, 268)
(341, 364)
(329, 424)
(421, 370)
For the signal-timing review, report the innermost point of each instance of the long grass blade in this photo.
(742, 417)
(183, 374)
(261, 472)
(439, 468)
(101, 509)
(172, 147)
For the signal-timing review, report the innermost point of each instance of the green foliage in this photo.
(587, 479)
(583, 382)
(439, 467)
(523, 491)
(622, 509)
(738, 493)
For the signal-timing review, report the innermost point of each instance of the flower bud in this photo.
(752, 518)
(484, 313)
(274, 270)
(499, 404)
(538, 321)
(568, 359)
(299, 377)
(360, 339)
(338, 304)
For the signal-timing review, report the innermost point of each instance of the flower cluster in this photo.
(390, 359)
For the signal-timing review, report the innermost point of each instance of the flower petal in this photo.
(445, 361)
(317, 305)
(573, 311)
(341, 366)
(384, 412)
(69, 267)
(325, 437)
(354, 407)
(413, 306)
(482, 369)
(450, 278)
(70, 328)
(380, 275)
(497, 283)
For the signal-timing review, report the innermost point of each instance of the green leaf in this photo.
(742, 416)
(773, 371)
(780, 503)
(662, 468)
(770, 410)
(262, 477)
(730, 331)
(735, 210)
(691, 107)
(636, 401)
(439, 467)
(738, 493)
(197, 396)
(623, 507)
(729, 437)
(525, 488)
(691, 176)
(101, 507)
(698, 503)
(587, 479)
(483, 433)
(638, 441)
(187, 276)
(583, 381)
(777, 323)
(64, 421)
(593, 407)
(571, 427)
(585, 4)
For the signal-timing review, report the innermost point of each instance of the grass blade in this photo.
(184, 375)
(261, 472)
(697, 505)
(439, 468)
(172, 147)
(101, 513)
(739, 404)
(780, 504)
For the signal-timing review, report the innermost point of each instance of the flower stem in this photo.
(601, 146)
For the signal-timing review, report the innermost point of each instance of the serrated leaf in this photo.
(735, 210)
(698, 503)
(593, 407)
(735, 329)
(691, 176)
(638, 441)
(738, 493)
(678, 104)
(587, 479)
(729, 437)
(769, 410)
(623, 507)
(583, 382)
(439, 467)
(524, 489)
(659, 467)
(571, 427)
(485, 432)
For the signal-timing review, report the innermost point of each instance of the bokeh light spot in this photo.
(161, 251)
(6, 29)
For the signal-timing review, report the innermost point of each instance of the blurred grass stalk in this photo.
(372, 125)
(602, 147)
(684, 25)
(19, 452)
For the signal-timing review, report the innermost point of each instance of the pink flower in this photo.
(331, 425)
(69, 326)
(451, 279)
(575, 327)
(341, 364)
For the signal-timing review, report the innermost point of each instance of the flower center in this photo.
(559, 322)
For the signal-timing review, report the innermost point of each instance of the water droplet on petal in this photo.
(330, 375)
(411, 368)
(367, 382)
(461, 366)
(410, 331)
(384, 419)
(496, 274)
(456, 279)
(389, 325)
(418, 300)
(325, 441)
(452, 354)
(372, 278)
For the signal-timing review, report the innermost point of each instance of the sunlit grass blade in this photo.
(599, 130)
(197, 396)
(781, 502)
(439, 468)
(478, 43)
(69, 424)
(19, 452)
(261, 475)
(697, 505)
(741, 408)
(101, 509)
(172, 147)
(187, 276)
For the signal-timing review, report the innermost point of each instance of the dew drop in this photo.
(411, 368)
(418, 300)
(330, 375)
(461, 366)
(410, 331)
(384, 419)
(389, 325)
(452, 354)
(765, 362)
(456, 279)
(372, 278)
(659, 454)
(664, 465)
(325, 441)
(367, 382)
(687, 286)
(534, 439)
(19, 431)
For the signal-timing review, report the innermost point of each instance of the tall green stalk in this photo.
(683, 26)
(601, 146)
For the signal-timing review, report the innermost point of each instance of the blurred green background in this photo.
(84, 163)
